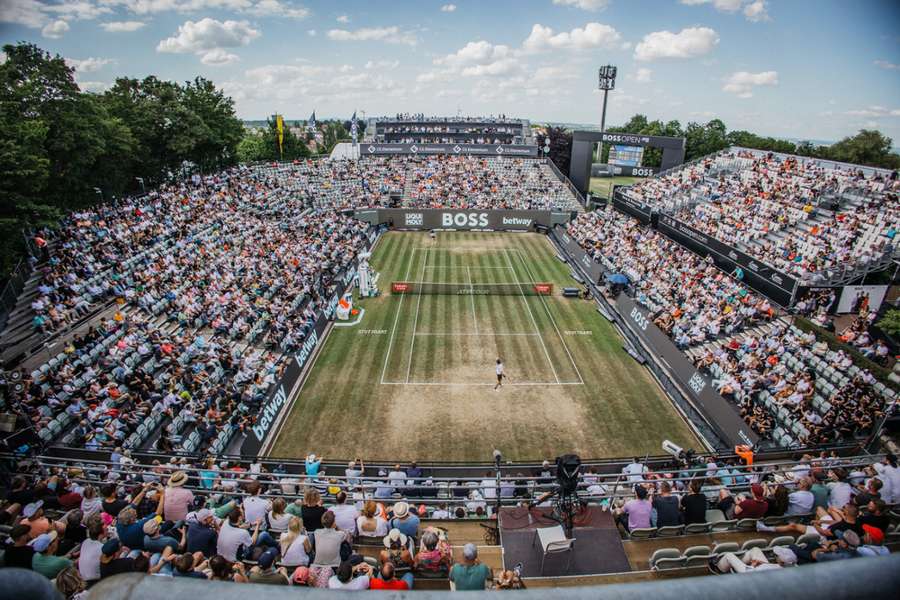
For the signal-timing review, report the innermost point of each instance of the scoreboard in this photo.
(625, 156)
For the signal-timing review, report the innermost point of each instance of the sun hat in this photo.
(394, 536)
(178, 479)
(875, 533)
(785, 555)
(401, 509)
(31, 509)
(43, 541)
(301, 575)
(151, 527)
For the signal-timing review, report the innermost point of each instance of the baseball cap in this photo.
(43, 541)
(266, 559)
(875, 533)
(32, 508)
(785, 555)
(110, 547)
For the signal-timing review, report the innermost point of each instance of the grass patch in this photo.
(602, 186)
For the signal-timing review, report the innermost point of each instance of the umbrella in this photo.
(618, 278)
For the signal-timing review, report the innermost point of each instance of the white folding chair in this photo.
(554, 541)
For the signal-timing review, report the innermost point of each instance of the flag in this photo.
(279, 126)
(354, 130)
(312, 121)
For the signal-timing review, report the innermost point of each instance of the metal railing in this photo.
(14, 286)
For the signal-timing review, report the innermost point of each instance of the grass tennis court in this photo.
(415, 378)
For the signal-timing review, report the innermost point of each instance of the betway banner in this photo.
(773, 283)
(497, 220)
(721, 415)
(375, 149)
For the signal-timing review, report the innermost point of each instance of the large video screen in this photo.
(626, 156)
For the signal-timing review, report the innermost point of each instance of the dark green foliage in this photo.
(57, 143)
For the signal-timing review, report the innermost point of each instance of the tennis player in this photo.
(500, 374)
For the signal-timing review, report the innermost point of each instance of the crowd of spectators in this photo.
(691, 300)
(799, 215)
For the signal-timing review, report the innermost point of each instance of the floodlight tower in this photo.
(607, 82)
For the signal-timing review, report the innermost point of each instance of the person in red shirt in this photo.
(389, 582)
(754, 507)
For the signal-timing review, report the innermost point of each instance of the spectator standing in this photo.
(178, 500)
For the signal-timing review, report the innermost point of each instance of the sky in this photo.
(800, 69)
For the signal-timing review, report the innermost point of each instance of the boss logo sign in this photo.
(697, 383)
(639, 319)
(464, 219)
(414, 219)
(641, 172)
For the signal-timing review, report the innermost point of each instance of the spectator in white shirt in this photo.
(255, 507)
(345, 515)
(801, 500)
(635, 471)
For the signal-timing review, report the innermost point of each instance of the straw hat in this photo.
(394, 536)
(178, 479)
(401, 509)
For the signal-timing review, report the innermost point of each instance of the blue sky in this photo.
(815, 69)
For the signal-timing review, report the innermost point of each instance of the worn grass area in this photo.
(602, 186)
(415, 378)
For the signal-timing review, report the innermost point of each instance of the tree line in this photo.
(62, 148)
(868, 147)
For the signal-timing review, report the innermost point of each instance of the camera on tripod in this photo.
(568, 467)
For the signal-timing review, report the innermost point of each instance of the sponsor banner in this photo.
(498, 220)
(580, 259)
(630, 206)
(856, 297)
(601, 169)
(375, 149)
(771, 282)
(720, 414)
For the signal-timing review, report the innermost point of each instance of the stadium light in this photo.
(606, 82)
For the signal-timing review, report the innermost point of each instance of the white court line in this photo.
(412, 342)
(552, 320)
(464, 267)
(474, 315)
(396, 319)
(534, 322)
(482, 334)
(467, 384)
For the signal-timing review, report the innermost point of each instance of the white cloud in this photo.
(722, 5)
(592, 35)
(756, 11)
(218, 58)
(382, 64)
(887, 65)
(88, 65)
(206, 35)
(592, 5)
(23, 12)
(55, 30)
(874, 111)
(742, 82)
(390, 35)
(122, 26)
(687, 43)
(475, 53)
(77, 9)
(448, 8)
(643, 75)
(258, 8)
(275, 8)
(506, 66)
(343, 19)
(94, 86)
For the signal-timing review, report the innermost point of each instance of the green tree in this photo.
(560, 147)
(868, 147)
(253, 148)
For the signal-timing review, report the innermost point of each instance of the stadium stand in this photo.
(823, 222)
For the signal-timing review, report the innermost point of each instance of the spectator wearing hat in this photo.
(20, 552)
(398, 550)
(154, 540)
(129, 528)
(202, 533)
(404, 520)
(38, 524)
(754, 507)
(313, 464)
(872, 542)
(470, 574)
(354, 471)
(44, 560)
(177, 499)
(111, 561)
(265, 571)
